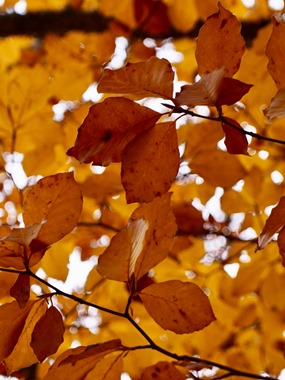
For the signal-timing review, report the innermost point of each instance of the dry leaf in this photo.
(150, 163)
(21, 290)
(231, 91)
(162, 371)
(235, 140)
(178, 306)
(219, 43)
(277, 106)
(108, 128)
(151, 78)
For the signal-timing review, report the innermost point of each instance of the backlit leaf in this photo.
(235, 140)
(151, 78)
(231, 91)
(11, 255)
(275, 49)
(277, 105)
(21, 290)
(203, 93)
(57, 200)
(25, 235)
(220, 43)
(108, 128)
(178, 306)
(281, 245)
(153, 16)
(48, 333)
(162, 371)
(91, 362)
(142, 244)
(273, 225)
(150, 163)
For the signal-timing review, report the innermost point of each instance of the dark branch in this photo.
(38, 24)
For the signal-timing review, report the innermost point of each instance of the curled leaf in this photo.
(277, 106)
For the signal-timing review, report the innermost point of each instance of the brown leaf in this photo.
(108, 128)
(275, 49)
(11, 255)
(162, 371)
(203, 93)
(152, 16)
(100, 362)
(21, 290)
(273, 225)
(178, 306)
(189, 220)
(277, 105)
(150, 163)
(48, 334)
(151, 78)
(281, 244)
(25, 235)
(231, 91)
(142, 244)
(235, 141)
(219, 43)
(57, 200)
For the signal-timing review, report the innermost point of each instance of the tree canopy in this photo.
(142, 194)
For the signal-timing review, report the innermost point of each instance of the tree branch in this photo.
(38, 24)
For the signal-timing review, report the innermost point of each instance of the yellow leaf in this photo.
(142, 244)
(162, 371)
(178, 306)
(144, 181)
(151, 78)
(57, 200)
(219, 43)
(108, 128)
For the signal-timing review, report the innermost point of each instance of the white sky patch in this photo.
(15, 168)
(137, 229)
(248, 3)
(232, 269)
(168, 51)
(276, 5)
(91, 94)
(277, 177)
(120, 54)
(263, 154)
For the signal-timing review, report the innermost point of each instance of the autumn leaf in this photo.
(152, 15)
(151, 78)
(189, 220)
(25, 235)
(281, 244)
(57, 201)
(178, 306)
(273, 225)
(142, 244)
(235, 140)
(219, 43)
(162, 371)
(108, 128)
(100, 361)
(48, 333)
(12, 255)
(231, 91)
(21, 290)
(275, 52)
(277, 106)
(203, 93)
(144, 181)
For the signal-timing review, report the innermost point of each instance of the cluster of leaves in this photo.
(145, 253)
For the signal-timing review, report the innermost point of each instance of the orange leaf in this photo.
(57, 200)
(235, 140)
(281, 245)
(150, 163)
(152, 16)
(142, 244)
(100, 362)
(203, 93)
(48, 334)
(16, 359)
(219, 43)
(273, 225)
(21, 290)
(24, 236)
(178, 306)
(189, 220)
(108, 128)
(151, 78)
(277, 106)
(275, 49)
(11, 255)
(231, 91)
(162, 371)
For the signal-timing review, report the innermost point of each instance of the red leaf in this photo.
(48, 334)
(235, 141)
(108, 128)
(21, 290)
(231, 91)
(152, 16)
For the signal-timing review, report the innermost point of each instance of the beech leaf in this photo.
(57, 200)
(231, 91)
(142, 244)
(25, 235)
(21, 290)
(100, 362)
(151, 78)
(150, 163)
(274, 224)
(277, 106)
(162, 371)
(235, 140)
(219, 43)
(108, 128)
(178, 306)
(203, 93)
(11, 255)
(281, 244)
(275, 49)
